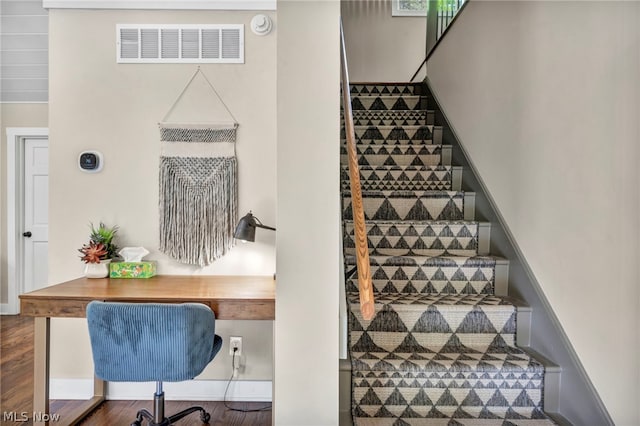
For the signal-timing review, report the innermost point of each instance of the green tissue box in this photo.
(132, 269)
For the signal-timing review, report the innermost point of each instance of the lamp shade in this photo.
(246, 228)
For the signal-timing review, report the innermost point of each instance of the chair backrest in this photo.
(139, 342)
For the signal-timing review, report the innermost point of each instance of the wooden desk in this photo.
(230, 297)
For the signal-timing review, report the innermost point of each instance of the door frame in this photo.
(15, 211)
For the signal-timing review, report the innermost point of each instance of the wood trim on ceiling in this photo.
(162, 4)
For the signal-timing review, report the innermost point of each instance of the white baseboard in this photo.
(7, 309)
(192, 390)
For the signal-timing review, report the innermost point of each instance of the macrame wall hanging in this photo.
(198, 185)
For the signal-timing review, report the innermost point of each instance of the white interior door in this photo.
(36, 213)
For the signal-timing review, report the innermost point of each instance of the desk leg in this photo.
(99, 388)
(41, 368)
(41, 353)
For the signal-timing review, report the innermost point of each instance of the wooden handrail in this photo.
(365, 287)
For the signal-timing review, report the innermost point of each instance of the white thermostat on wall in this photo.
(90, 161)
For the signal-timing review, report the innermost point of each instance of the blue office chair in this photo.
(152, 342)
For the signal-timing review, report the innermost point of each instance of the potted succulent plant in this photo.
(98, 253)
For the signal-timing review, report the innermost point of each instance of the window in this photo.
(180, 43)
(409, 7)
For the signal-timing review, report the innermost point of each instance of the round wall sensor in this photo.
(90, 161)
(261, 25)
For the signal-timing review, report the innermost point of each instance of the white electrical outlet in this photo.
(235, 342)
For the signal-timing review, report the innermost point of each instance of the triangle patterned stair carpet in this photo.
(384, 89)
(397, 134)
(417, 238)
(392, 118)
(414, 178)
(397, 155)
(441, 347)
(379, 102)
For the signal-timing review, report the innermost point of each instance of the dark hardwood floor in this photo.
(16, 390)
(16, 365)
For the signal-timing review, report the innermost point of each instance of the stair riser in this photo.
(431, 329)
(392, 135)
(389, 205)
(346, 418)
(385, 103)
(403, 179)
(430, 279)
(400, 155)
(376, 185)
(500, 392)
(427, 401)
(392, 118)
(398, 407)
(385, 89)
(433, 159)
(416, 240)
(482, 388)
(386, 342)
(350, 249)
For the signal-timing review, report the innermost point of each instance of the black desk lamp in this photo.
(246, 229)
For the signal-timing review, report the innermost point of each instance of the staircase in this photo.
(441, 348)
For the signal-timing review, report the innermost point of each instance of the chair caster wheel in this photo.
(136, 423)
(205, 417)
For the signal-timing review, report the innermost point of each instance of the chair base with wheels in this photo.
(152, 342)
(158, 418)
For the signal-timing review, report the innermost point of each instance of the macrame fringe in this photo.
(198, 186)
(198, 208)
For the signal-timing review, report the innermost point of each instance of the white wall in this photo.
(381, 47)
(96, 103)
(306, 329)
(24, 51)
(545, 97)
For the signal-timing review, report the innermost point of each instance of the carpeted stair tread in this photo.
(385, 102)
(432, 281)
(505, 361)
(393, 117)
(395, 135)
(423, 222)
(460, 302)
(414, 178)
(416, 238)
(443, 184)
(442, 261)
(382, 169)
(408, 205)
(395, 155)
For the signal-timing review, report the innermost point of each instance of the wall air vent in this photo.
(180, 43)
